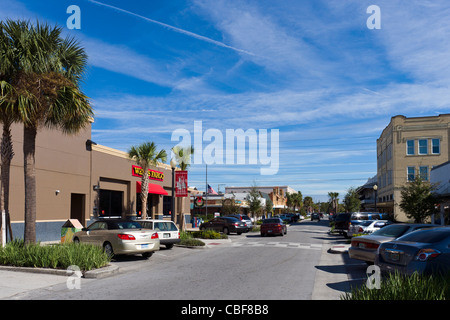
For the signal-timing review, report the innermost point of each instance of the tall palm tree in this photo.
(46, 74)
(334, 200)
(182, 156)
(7, 117)
(146, 155)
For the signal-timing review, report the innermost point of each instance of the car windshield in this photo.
(165, 226)
(126, 225)
(427, 236)
(391, 231)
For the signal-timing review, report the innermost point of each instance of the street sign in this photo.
(181, 184)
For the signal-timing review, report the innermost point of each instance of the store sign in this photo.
(181, 184)
(137, 171)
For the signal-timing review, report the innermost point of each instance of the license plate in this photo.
(145, 246)
(394, 256)
(269, 230)
(362, 245)
(166, 235)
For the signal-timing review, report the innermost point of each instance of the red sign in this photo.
(152, 174)
(181, 184)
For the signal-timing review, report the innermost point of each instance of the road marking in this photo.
(291, 245)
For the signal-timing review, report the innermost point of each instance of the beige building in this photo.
(407, 148)
(79, 179)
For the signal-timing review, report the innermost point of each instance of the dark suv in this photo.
(225, 225)
(342, 222)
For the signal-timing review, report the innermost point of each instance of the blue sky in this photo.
(308, 68)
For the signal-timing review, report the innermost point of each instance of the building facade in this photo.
(277, 194)
(407, 148)
(79, 179)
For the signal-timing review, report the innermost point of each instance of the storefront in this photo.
(79, 179)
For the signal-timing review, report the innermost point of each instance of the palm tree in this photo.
(7, 117)
(334, 200)
(182, 156)
(145, 156)
(46, 73)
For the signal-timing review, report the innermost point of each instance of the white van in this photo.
(168, 232)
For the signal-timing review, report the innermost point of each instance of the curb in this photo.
(339, 248)
(91, 274)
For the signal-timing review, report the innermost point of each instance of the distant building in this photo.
(367, 195)
(277, 194)
(440, 177)
(407, 148)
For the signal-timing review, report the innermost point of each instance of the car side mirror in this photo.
(84, 229)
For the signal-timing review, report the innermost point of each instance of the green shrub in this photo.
(209, 234)
(191, 242)
(60, 256)
(402, 287)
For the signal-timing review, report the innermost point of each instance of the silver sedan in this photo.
(118, 236)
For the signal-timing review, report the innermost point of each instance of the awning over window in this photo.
(152, 188)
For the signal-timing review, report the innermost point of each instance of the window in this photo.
(111, 203)
(423, 146)
(410, 147)
(423, 172)
(411, 173)
(435, 146)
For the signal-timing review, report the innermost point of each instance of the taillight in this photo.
(179, 235)
(236, 224)
(360, 229)
(155, 235)
(123, 236)
(427, 254)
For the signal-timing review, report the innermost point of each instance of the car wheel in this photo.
(147, 255)
(76, 240)
(226, 231)
(107, 247)
(169, 246)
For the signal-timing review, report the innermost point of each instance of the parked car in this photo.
(342, 222)
(425, 251)
(285, 218)
(168, 232)
(273, 226)
(315, 216)
(366, 227)
(225, 225)
(119, 236)
(365, 247)
(244, 218)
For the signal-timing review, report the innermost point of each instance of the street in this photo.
(296, 266)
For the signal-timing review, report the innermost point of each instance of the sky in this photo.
(313, 75)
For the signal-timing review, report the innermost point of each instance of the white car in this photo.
(167, 231)
(366, 227)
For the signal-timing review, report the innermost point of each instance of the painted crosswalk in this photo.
(279, 244)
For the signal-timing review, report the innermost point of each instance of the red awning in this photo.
(152, 188)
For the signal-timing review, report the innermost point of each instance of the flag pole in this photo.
(206, 203)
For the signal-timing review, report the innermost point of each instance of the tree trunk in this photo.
(29, 148)
(144, 193)
(7, 154)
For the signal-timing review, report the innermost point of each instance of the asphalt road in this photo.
(249, 267)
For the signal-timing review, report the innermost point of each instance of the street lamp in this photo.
(173, 164)
(375, 188)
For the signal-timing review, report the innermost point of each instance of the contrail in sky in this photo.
(185, 32)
